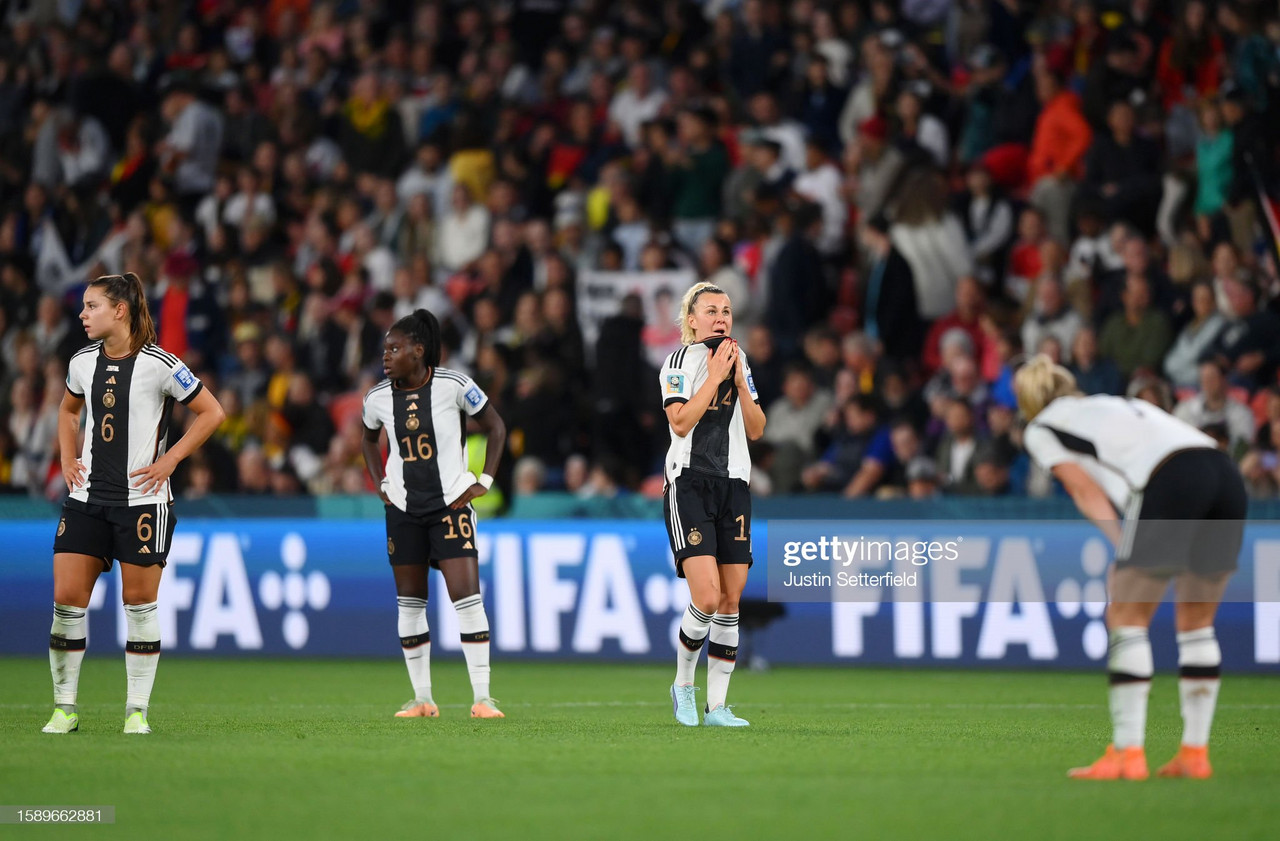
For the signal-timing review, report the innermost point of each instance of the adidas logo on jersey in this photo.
(111, 381)
(467, 545)
(144, 551)
(413, 407)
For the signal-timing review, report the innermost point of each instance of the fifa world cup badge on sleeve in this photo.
(675, 384)
(474, 398)
(184, 377)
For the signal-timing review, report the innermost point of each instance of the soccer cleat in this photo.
(1192, 763)
(1125, 764)
(136, 724)
(723, 716)
(683, 704)
(486, 708)
(419, 709)
(62, 722)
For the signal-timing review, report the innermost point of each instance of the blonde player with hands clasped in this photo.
(712, 407)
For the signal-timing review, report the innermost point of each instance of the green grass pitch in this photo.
(310, 750)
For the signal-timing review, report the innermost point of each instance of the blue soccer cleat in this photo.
(723, 716)
(683, 704)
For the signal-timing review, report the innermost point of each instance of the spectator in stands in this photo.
(1248, 347)
(1062, 137)
(796, 417)
(1182, 362)
(1139, 335)
(1095, 374)
(1215, 405)
(1051, 316)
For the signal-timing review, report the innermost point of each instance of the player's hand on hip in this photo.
(469, 494)
(73, 473)
(152, 477)
(721, 362)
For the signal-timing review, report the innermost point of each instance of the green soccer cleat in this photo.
(136, 723)
(723, 716)
(683, 704)
(62, 722)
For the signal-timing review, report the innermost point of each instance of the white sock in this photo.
(415, 641)
(1200, 670)
(1130, 667)
(722, 654)
(141, 654)
(473, 625)
(693, 633)
(66, 653)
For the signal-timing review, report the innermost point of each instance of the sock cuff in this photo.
(411, 603)
(691, 643)
(1129, 655)
(474, 600)
(698, 615)
(725, 619)
(68, 623)
(141, 610)
(1199, 650)
(71, 612)
(142, 647)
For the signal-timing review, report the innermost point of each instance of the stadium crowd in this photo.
(901, 199)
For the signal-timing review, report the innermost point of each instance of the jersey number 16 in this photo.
(414, 450)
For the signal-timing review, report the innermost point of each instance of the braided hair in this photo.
(127, 288)
(421, 328)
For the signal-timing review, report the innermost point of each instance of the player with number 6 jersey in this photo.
(428, 490)
(120, 504)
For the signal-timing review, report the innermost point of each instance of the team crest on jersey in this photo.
(474, 397)
(412, 423)
(391, 546)
(675, 384)
(62, 527)
(108, 399)
(184, 377)
(695, 537)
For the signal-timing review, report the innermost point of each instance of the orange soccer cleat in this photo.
(1123, 764)
(419, 709)
(486, 708)
(1192, 763)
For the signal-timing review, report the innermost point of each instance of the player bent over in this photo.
(1184, 504)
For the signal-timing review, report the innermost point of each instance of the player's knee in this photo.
(71, 595)
(138, 595)
(728, 604)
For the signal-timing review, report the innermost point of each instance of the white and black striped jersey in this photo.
(128, 404)
(1119, 442)
(717, 444)
(427, 438)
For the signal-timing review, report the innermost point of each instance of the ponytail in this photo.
(422, 329)
(687, 304)
(127, 289)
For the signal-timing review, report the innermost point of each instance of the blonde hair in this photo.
(686, 307)
(1041, 381)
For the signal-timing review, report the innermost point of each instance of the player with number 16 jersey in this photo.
(428, 489)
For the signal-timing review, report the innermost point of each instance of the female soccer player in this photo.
(120, 506)
(1184, 506)
(428, 490)
(711, 403)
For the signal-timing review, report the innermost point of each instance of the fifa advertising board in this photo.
(968, 593)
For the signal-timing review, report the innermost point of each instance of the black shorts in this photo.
(133, 534)
(1190, 517)
(708, 515)
(430, 538)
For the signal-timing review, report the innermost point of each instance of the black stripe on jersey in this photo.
(423, 488)
(1074, 443)
(162, 355)
(709, 450)
(451, 375)
(109, 470)
(162, 429)
(87, 349)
